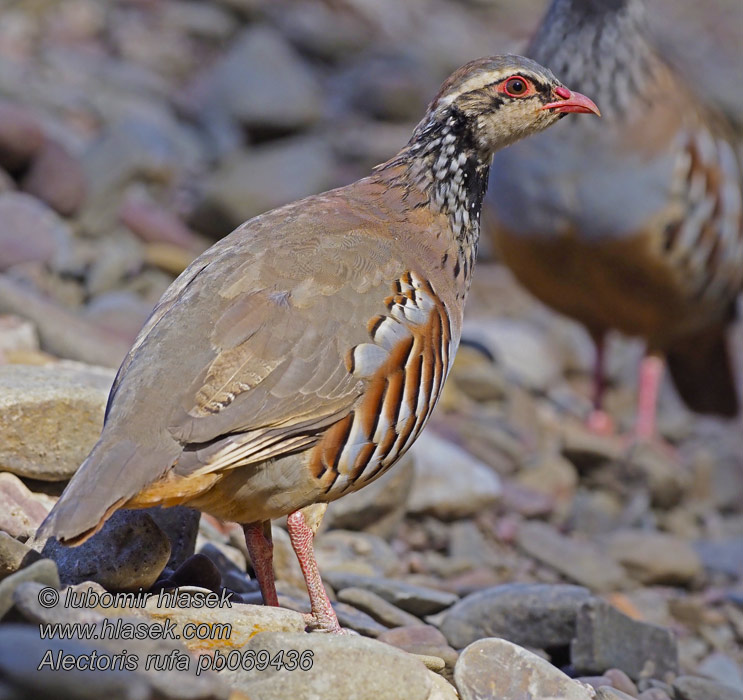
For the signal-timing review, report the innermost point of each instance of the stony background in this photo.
(135, 132)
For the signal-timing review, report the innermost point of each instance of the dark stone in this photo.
(533, 615)
(232, 576)
(606, 638)
(127, 554)
(200, 571)
(181, 525)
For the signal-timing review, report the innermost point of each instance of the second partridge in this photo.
(636, 226)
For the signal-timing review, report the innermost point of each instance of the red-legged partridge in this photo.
(637, 225)
(298, 358)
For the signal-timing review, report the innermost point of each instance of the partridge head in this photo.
(298, 358)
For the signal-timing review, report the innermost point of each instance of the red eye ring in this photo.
(516, 86)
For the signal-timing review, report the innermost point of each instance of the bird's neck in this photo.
(443, 162)
(599, 47)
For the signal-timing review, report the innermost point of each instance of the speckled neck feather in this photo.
(443, 161)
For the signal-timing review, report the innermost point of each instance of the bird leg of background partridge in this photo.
(651, 373)
(260, 549)
(599, 420)
(323, 616)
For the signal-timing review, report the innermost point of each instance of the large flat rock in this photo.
(50, 417)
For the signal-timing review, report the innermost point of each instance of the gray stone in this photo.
(656, 693)
(21, 510)
(586, 449)
(425, 640)
(495, 669)
(722, 556)
(606, 692)
(659, 470)
(350, 617)
(136, 148)
(695, 688)
(119, 311)
(519, 347)
(248, 183)
(51, 416)
(87, 602)
(376, 606)
(606, 638)
(355, 553)
(14, 555)
(655, 557)
(392, 88)
(208, 21)
(377, 508)
(62, 332)
(449, 482)
(283, 98)
(323, 31)
(417, 600)
(117, 257)
(127, 554)
(621, 681)
(533, 615)
(22, 652)
(17, 333)
(29, 230)
(43, 571)
(721, 667)
(181, 525)
(582, 562)
(343, 667)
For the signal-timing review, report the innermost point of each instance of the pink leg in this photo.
(651, 373)
(301, 536)
(260, 548)
(598, 420)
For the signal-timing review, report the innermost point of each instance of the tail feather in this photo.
(702, 371)
(114, 471)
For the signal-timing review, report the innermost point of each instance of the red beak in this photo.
(572, 102)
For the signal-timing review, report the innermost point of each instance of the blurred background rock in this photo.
(133, 133)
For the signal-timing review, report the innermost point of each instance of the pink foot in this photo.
(323, 617)
(645, 431)
(651, 373)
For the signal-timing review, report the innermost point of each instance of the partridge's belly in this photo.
(611, 284)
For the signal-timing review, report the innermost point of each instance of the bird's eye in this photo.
(516, 86)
